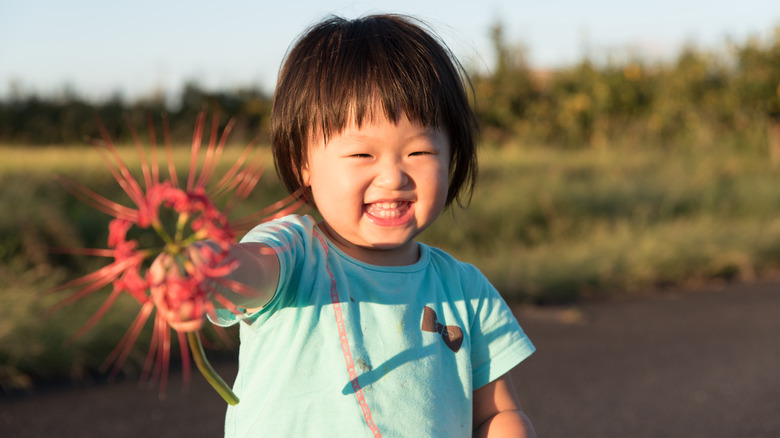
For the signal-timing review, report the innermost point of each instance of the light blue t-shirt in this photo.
(348, 349)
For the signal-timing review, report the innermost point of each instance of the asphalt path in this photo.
(696, 364)
(674, 364)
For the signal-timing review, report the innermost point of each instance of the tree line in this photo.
(623, 99)
(71, 119)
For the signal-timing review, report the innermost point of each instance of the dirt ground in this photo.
(693, 364)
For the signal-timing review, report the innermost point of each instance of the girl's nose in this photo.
(392, 176)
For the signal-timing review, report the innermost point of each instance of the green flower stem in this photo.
(208, 372)
(158, 228)
(180, 223)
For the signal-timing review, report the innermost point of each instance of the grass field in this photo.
(545, 225)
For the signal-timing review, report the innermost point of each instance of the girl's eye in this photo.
(420, 153)
(360, 156)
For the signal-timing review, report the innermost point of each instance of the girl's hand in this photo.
(171, 291)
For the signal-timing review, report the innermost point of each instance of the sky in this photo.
(98, 48)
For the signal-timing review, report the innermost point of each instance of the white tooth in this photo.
(388, 205)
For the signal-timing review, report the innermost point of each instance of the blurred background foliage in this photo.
(629, 100)
(612, 176)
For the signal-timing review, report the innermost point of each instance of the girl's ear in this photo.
(305, 176)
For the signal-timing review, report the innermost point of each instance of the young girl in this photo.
(355, 328)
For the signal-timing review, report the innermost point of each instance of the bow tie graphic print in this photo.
(451, 334)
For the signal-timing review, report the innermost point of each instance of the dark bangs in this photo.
(340, 71)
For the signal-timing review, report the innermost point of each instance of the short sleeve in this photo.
(498, 343)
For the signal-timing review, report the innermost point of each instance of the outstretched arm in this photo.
(258, 269)
(497, 411)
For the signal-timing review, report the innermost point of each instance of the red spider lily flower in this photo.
(183, 283)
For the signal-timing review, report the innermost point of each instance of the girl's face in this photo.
(378, 186)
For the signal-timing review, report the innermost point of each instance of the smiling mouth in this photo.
(388, 210)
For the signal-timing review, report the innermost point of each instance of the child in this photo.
(356, 329)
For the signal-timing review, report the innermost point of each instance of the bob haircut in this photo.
(346, 68)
